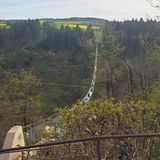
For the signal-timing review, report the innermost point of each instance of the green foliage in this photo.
(35, 52)
(154, 96)
(66, 38)
(108, 117)
(109, 60)
(118, 118)
(22, 90)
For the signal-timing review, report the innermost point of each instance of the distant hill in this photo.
(87, 20)
(79, 20)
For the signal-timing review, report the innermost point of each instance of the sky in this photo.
(107, 9)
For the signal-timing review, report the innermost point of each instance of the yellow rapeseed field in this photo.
(74, 25)
(3, 25)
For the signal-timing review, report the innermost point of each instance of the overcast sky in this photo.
(108, 9)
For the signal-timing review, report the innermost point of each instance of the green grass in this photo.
(98, 34)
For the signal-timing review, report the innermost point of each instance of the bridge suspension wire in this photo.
(55, 84)
(42, 69)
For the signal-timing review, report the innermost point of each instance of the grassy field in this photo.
(98, 34)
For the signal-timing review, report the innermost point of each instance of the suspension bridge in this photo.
(32, 131)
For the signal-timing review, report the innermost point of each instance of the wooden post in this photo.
(98, 147)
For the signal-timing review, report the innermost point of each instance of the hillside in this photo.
(44, 67)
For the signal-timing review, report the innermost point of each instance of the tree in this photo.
(22, 91)
(104, 117)
(111, 54)
(154, 3)
(89, 39)
(154, 95)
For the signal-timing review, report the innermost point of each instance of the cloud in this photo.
(109, 9)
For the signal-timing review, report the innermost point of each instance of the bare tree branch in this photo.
(154, 3)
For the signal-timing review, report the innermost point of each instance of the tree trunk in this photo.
(131, 81)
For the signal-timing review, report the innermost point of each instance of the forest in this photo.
(45, 68)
